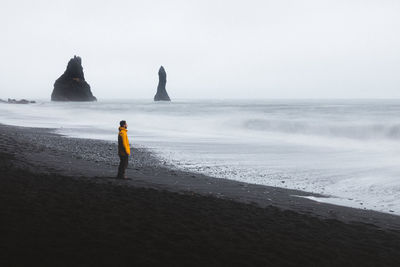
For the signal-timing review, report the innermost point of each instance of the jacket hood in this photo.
(122, 129)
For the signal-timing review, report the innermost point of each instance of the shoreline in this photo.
(62, 205)
(97, 158)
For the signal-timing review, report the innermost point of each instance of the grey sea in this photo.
(348, 150)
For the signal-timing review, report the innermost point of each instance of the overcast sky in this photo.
(209, 48)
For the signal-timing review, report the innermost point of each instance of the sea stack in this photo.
(162, 94)
(71, 86)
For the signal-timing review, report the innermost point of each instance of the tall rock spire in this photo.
(162, 94)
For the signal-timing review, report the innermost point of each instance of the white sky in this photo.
(209, 48)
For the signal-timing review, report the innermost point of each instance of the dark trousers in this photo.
(123, 164)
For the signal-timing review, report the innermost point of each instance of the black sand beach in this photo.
(60, 206)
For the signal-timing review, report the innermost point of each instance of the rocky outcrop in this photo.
(71, 86)
(162, 94)
(13, 101)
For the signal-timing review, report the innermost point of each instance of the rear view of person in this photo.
(124, 149)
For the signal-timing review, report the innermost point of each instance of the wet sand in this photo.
(60, 205)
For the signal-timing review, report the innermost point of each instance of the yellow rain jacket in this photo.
(123, 142)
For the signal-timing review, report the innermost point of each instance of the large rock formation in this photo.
(71, 86)
(162, 94)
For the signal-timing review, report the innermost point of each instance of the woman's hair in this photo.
(122, 123)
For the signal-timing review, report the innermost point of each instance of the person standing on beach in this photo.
(124, 149)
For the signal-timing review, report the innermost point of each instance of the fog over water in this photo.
(210, 49)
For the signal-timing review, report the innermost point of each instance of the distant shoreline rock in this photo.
(162, 94)
(13, 101)
(71, 86)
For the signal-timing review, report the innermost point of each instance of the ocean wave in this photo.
(358, 131)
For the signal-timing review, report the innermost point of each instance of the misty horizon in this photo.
(210, 50)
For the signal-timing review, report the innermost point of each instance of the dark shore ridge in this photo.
(71, 86)
(60, 206)
(162, 94)
(14, 101)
